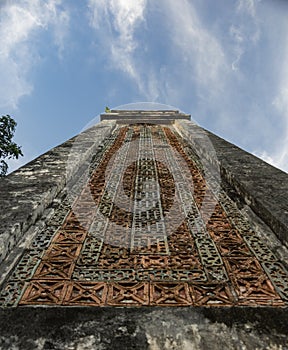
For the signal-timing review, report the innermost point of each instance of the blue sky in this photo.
(224, 61)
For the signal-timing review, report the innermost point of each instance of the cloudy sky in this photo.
(224, 61)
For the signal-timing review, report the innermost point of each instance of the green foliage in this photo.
(107, 110)
(8, 149)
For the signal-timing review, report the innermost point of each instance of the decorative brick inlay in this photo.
(136, 236)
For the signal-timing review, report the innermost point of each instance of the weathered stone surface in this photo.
(143, 328)
(263, 187)
(27, 192)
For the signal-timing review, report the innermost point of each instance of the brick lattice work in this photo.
(135, 235)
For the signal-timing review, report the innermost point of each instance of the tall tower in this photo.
(145, 209)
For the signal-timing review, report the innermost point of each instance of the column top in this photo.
(144, 116)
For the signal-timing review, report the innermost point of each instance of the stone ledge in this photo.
(143, 328)
(154, 117)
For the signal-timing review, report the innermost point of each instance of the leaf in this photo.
(8, 149)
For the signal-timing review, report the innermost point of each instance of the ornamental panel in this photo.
(136, 234)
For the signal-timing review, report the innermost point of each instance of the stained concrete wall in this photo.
(146, 328)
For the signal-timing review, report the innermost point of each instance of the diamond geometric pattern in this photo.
(141, 240)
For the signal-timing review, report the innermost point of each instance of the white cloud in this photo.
(118, 21)
(20, 21)
(246, 32)
(236, 34)
(115, 23)
(247, 6)
(200, 49)
(238, 38)
(280, 156)
(60, 20)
